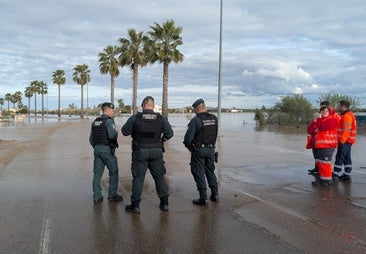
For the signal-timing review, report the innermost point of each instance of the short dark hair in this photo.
(325, 103)
(323, 108)
(107, 104)
(146, 100)
(345, 103)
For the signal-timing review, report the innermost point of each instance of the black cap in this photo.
(146, 99)
(197, 102)
(345, 103)
(325, 103)
(108, 104)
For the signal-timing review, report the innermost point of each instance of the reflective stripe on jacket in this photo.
(326, 137)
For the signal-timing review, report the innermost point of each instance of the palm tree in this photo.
(133, 54)
(109, 64)
(81, 76)
(59, 78)
(13, 100)
(17, 98)
(121, 105)
(35, 88)
(8, 98)
(43, 89)
(166, 39)
(1, 104)
(28, 93)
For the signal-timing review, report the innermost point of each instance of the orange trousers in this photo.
(323, 161)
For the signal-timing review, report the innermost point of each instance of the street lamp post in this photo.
(219, 78)
(87, 100)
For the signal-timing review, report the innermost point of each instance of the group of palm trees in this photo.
(139, 49)
(36, 87)
(13, 98)
(157, 45)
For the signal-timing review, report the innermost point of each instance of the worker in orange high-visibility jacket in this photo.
(346, 132)
(325, 144)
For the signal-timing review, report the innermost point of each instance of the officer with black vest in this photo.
(103, 138)
(148, 131)
(200, 140)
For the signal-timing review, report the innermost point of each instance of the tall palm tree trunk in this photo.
(165, 89)
(82, 102)
(112, 87)
(59, 101)
(42, 104)
(29, 106)
(35, 104)
(134, 92)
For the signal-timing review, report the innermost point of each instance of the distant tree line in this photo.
(295, 109)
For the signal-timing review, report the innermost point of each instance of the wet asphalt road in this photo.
(266, 206)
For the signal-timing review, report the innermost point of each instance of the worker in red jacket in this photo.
(324, 130)
(311, 133)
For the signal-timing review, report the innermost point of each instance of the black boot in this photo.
(132, 209)
(215, 198)
(345, 178)
(313, 171)
(115, 198)
(200, 201)
(335, 178)
(164, 205)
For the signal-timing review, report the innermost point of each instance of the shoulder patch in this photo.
(98, 123)
(208, 122)
(149, 116)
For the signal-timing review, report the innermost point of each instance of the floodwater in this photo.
(239, 129)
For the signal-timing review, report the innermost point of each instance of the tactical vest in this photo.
(100, 134)
(147, 130)
(207, 133)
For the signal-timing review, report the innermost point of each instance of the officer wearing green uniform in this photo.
(148, 130)
(103, 138)
(200, 140)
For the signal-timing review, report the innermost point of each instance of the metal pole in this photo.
(47, 107)
(87, 100)
(219, 78)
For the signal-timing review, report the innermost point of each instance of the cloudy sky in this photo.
(270, 48)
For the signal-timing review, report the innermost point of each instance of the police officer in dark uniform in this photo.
(148, 130)
(200, 140)
(103, 138)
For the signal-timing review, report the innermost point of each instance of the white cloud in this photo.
(288, 72)
(307, 47)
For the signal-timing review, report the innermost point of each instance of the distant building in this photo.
(361, 119)
(235, 110)
(157, 109)
(181, 110)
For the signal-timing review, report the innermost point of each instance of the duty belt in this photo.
(206, 146)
